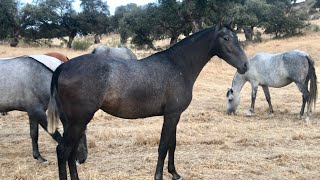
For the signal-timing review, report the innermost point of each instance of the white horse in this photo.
(276, 70)
(119, 53)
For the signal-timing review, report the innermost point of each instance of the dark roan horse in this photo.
(159, 85)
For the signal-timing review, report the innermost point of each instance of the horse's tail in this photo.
(53, 107)
(313, 83)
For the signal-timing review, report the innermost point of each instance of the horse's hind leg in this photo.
(34, 133)
(167, 142)
(254, 87)
(305, 97)
(268, 98)
(66, 150)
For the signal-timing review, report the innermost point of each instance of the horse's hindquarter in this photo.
(24, 83)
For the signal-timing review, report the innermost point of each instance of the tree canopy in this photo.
(145, 24)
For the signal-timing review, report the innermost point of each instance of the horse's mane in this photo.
(186, 40)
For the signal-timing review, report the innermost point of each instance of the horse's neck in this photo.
(237, 83)
(192, 53)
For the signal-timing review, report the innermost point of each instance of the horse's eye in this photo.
(226, 38)
(230, 100)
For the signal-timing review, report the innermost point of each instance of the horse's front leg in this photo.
(253, 96)
(268, 98)
(167, 142)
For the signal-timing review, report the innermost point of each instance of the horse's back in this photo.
(120, 53)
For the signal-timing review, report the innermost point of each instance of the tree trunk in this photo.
(15, 40)
(248, 32)
(96, 39)
(71, 38)
(150, 45)
(174, 38)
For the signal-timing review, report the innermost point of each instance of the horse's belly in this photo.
(130, 109)
(276, 83)
(132, 112)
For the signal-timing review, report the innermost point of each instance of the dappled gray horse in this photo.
(276, 70)
(25, 86)
(159, 85)
(119, 53)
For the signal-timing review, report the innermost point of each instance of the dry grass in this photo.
(211, 144)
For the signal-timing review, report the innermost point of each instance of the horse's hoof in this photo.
(249, 113)
(307, 120)
(179, 178)
(176, 176)
(43, 161)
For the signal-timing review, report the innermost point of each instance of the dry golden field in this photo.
(210, 144)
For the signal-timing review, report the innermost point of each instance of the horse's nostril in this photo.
(245, 66)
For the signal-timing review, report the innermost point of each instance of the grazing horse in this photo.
(119, 53)
(25, 86)
(276, 70)
(159, 85)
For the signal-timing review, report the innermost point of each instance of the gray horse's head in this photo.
(233, 100)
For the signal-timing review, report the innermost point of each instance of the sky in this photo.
(111, 3)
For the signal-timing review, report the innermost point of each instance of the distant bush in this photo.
(257, 37)
(315, 28)
(81, 44)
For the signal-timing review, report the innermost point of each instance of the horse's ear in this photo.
(227, 22)
(230, 23)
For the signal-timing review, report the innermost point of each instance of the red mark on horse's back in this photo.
(59, 56)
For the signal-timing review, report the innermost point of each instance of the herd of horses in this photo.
(158, 85)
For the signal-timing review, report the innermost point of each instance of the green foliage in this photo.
(118, 15)
(142, 25)
(317, 4)
(94, 17)
(257, 36)
(47, 19)
(81, 44)
(280, 24)
(314, 27)
(8, 18)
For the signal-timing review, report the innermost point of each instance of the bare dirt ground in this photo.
(211, 144)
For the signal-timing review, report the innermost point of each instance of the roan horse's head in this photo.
(228, 47)
(233, 100)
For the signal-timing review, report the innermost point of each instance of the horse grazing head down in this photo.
(227, 47)
(59, 56)
(233, 101)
